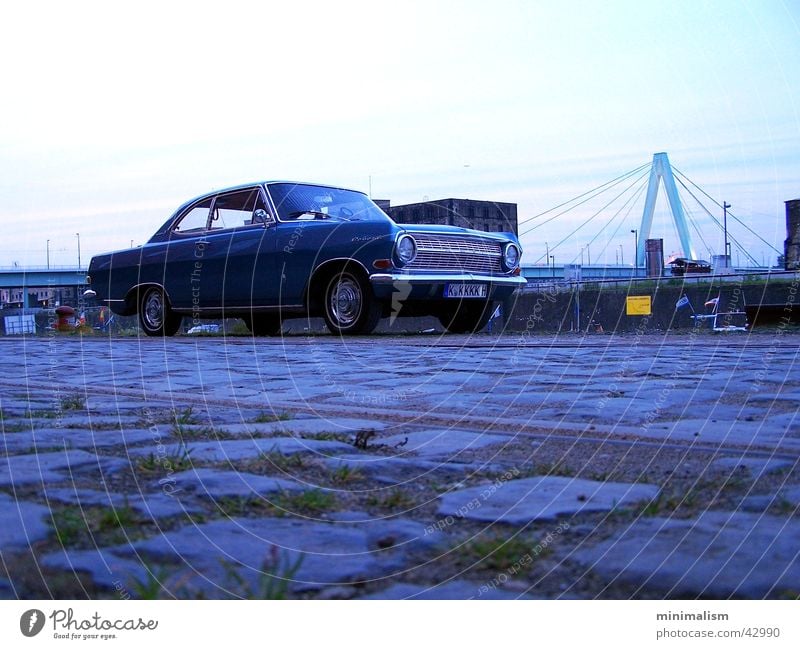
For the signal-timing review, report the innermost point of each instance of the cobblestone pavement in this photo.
(393, 467)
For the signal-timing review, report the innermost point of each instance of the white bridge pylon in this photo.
(658, 172)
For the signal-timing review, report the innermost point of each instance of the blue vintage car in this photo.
(271, 251)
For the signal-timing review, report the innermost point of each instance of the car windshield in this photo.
(306, 202)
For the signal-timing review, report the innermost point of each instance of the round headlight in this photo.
(406, 249)
(511, 256)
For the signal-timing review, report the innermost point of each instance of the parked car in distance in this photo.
(205, 329)
(682, 266)
(270, 251)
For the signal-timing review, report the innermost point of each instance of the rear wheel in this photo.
(264, 324)
(466, 317)
(349, 306)
(155, 316)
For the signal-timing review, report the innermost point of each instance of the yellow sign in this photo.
(638, 305)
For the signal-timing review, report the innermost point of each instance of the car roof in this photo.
(233, 188)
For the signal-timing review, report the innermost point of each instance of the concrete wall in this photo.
(591, 308)
(791, 247)
(563, 309)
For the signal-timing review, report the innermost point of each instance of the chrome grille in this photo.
(456, 253)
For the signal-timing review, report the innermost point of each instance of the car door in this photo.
(180, 258)
(239, 252)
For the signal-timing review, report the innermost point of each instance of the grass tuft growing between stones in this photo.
(345, 474)
(185, 416)
(306, 503)
(176, 461)
(498, 553)
(394, 499)
(282, 461)
(312, 502)
(75, 525)
(270, 417)
(274, 578)
(73, 402)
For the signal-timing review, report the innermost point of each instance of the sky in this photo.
(114, 114)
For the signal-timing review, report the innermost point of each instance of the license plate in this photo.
(465, 290)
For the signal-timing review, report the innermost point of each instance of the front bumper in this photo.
(431, 285)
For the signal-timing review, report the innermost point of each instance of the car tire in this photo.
(349, 306)
(466, 317)
(155, 316)
(264, 324)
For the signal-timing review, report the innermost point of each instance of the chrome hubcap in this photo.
(345, 301)
(154, 310)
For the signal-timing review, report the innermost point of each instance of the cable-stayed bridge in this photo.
(610, 219)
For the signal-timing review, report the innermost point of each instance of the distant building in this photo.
(21, 298)
(791, 247)
(489, 216)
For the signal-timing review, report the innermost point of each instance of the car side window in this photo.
(238, 209)
(195, 219)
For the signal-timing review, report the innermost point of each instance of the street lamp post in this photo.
(48, 254)
(553, 263)
(725, 207)
(621, 255)
(78, 234)
(635, 252)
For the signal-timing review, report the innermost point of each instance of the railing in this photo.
(559, 283)
(42, 269)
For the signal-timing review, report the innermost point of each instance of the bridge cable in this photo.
(594, 192)
(630, 203)
(693, 220)
(717, 223)
(733, 216)
(598, 212)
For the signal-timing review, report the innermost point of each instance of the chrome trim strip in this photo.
(419, 278)
(237, 309)
(348, 260)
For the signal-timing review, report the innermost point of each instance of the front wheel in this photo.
(466, 317)
(155, 316)
(350, 307)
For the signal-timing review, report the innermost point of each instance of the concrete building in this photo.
(791, 247)
(489, 216)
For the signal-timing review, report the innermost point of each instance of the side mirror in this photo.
(261, 216)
